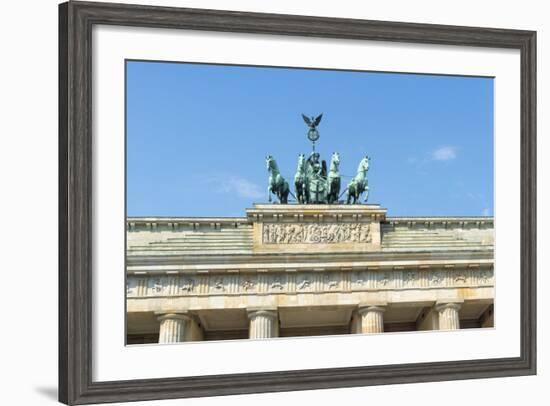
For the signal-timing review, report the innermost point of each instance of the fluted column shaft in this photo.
(371, 319)
(263, 324)
(173, 327)
(448, 316)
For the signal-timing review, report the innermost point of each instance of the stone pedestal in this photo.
(263, 324)
(370, 319)
(178, 327)
(448, 315)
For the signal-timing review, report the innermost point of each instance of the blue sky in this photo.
(197, 136)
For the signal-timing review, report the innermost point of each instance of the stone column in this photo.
(263, 324)
(371, 319)
(178, 327)
(172, 327)
(448, 315)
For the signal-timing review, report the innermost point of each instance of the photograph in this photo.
(270, 202)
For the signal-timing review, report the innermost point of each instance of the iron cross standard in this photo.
(312, 122)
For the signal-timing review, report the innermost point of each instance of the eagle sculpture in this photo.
(312, 122)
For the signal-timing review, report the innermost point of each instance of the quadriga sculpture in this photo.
(359, 183)
(277, 184)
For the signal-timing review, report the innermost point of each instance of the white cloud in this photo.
(444, 154)
(485, 212)
(240, 186)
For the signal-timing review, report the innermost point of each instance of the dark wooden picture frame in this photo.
(76, 20)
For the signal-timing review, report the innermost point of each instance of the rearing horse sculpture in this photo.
(333, 179)
(277, 184)
(359, 183)
(300, 181)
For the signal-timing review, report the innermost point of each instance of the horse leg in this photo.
(287, 192)
(284, 193)
(351, 193)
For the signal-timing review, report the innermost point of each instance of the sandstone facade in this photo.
(294, 270)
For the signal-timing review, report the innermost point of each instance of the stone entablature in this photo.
(314, 213)
(158, 224)
(441, 222)
(174, 224)
(293, 281)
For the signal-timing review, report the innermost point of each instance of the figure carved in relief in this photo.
(248, 284)
(187, 285)
(305, 283)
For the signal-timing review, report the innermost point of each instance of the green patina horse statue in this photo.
(333, 179)
(300, 181)
(277, 184)
(359, 183)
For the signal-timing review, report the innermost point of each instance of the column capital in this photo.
(449, 304)
(371, 317)
(178, 326)
(267, 312)
(375, 306)
(174, 315)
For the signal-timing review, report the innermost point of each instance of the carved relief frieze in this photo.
(332, 280)
(186, 285)
(302, 282)
(217, 284)
(437, 278)
(411, 278)
(460, 277)
(485, 276)
(329, 233)
(156, 286)
(248, 283)
(384, 279)
(277, 283)
(359, 280)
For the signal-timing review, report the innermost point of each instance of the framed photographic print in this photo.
(258, 202)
